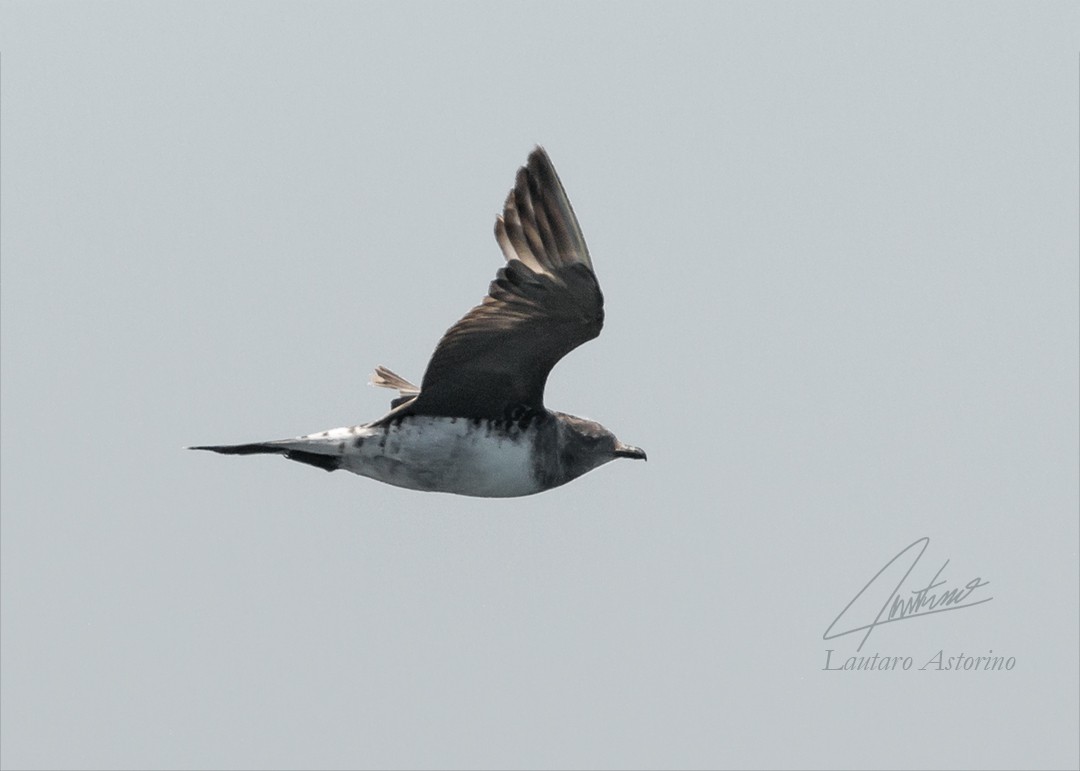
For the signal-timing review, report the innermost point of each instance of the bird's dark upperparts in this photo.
(477, 424)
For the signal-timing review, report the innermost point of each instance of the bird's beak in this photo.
(629, 451)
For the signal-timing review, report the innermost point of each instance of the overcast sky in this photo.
(838, 245)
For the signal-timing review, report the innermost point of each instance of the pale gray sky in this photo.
(838, 244)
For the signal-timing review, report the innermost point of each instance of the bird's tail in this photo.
(286, 447)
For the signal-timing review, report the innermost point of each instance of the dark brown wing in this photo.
(544, 303)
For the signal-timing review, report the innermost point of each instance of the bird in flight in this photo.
(477, 424)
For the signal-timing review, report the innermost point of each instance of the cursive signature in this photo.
(922, 602)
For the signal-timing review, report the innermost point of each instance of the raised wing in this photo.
(545, 302)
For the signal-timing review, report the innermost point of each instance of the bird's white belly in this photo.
(454, 455)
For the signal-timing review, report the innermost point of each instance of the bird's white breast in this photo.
(455, 455)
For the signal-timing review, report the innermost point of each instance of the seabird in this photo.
(477, 425)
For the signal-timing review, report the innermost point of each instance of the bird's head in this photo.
(585, 445)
